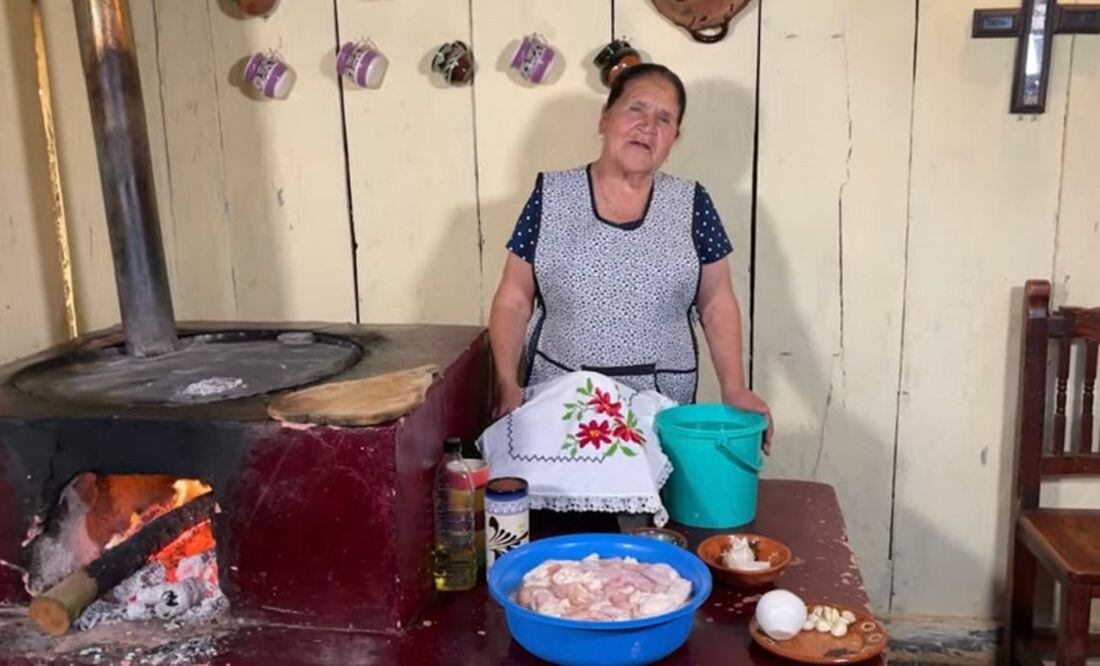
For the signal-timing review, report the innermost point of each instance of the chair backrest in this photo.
(1069, 337)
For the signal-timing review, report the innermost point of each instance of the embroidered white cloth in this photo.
(583, 442)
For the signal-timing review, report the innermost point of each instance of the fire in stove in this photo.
(126, 547)
(184, 491)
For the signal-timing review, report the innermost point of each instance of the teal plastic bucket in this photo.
(716, 460)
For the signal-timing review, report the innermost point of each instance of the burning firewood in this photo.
(55, 610)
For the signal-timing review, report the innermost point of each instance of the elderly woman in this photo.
(608, 263)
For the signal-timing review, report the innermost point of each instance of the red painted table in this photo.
(469, 627)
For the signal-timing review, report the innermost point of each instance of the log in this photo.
(55, 610)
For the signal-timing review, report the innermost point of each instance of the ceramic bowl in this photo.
(668, 536)
(765, 548)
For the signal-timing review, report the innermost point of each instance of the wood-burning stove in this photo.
(317, 526)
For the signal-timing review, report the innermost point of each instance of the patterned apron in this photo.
(616, 301)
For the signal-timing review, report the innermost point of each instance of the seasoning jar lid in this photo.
(506, 488)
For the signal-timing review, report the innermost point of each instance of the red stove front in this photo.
(312, 525)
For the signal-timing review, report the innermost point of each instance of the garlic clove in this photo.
(823, 626)
(848, 616)
(809, 625)
(839, 629)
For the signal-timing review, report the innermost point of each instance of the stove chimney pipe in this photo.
(126, 175)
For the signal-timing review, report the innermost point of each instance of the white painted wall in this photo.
(899, 207)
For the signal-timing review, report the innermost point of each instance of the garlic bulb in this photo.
(780, 614)
(738, 554)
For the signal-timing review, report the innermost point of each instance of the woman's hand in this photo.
(509, 396)
(746, 400)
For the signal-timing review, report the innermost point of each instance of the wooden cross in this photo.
(1034, 26)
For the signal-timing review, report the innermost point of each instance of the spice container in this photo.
(507, 519)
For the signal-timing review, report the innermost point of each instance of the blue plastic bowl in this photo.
(565, 641)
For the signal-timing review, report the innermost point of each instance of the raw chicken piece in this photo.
(661, 574)
(542, 600)
(603, 590)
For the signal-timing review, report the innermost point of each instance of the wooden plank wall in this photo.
(987, 191)
(32, 312)
(831, 221)
(412, 168)
(252, 194)
(898, 209)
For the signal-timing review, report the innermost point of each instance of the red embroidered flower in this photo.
(594, 433)
(603, 404)
(626, 433)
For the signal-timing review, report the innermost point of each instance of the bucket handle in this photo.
(733, 454)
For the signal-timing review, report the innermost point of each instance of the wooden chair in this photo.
(1065, 542)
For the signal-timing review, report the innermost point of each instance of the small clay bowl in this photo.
(668, 536)
(767, 550)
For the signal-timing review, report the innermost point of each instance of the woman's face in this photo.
(640, 128)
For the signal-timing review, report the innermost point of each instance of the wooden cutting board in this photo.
(358, 402)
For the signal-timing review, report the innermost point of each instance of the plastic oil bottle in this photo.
(455, 554)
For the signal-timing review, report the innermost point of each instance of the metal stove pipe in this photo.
(126, 175)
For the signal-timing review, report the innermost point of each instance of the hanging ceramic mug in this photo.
(614, 58)
(267, 73)
(454, 62)
(362, 63)
(262, 8)
(533, 58)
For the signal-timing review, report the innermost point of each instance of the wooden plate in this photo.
(865, 639)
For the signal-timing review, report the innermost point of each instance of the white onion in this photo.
(780, 614)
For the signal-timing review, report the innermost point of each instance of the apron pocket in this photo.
(680, 386)
(543, 369)
(638, 377)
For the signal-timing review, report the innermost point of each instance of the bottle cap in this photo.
(452, 445)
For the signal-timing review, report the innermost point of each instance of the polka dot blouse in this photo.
(711, 241)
